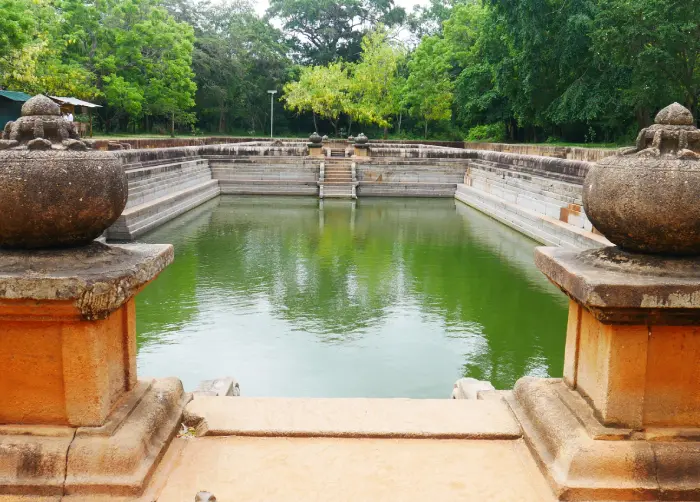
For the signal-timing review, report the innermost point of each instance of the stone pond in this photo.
(378, 297)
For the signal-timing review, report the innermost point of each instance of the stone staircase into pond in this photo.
(159, 193)
(337, 179)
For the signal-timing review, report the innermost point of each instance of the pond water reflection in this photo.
(373, 298)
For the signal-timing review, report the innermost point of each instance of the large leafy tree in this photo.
(237, 57)
(322, 90)
(17, 23)
(139, 54)
(657, 45)
(375, 83)
(428, 93)
(323, 31)
(31, 52)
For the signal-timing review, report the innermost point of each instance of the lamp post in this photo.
(272, 110)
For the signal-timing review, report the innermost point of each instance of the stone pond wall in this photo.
(143, 143)
(561, 152)
(409, 177)
(539, 196)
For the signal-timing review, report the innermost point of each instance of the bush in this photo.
(489, 133)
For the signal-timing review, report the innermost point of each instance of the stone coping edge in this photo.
(616, 297)
(352, 418)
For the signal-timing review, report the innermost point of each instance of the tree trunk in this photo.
(400, 117)
(315, 125)
(222, 120)
(349, 125)
(335, 127)
(386, 133)
(425, 135)
(172, 125)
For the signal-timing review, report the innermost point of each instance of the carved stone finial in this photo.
(315, 138)
(54, 191)
(675, 114)
(647, 199)
(41, 127)
(40, 105)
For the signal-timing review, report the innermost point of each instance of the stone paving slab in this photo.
(385, 418)
(338, 470)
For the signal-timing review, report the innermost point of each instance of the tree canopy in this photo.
(322, 31)
(522, 70)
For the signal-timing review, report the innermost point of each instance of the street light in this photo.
(272, 109)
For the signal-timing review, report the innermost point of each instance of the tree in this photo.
(375, 84)
(429, 89)
(236, 56)
(17, 23)
(657, 42)
(427, 20)
(326, 30)
(139, 54)
(31, 52)
(322, 90)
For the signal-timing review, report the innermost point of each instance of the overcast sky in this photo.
(261, 5)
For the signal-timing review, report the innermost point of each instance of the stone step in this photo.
(544, 197)
(417, 418)
(542, 228)
(146, 176)
(172, 178)
(183, 177)
(140, 219)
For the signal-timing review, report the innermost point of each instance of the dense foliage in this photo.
(520, 70)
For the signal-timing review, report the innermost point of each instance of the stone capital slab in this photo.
(92, 281)
(626, 288)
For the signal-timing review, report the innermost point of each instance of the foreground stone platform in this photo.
(350, 450)
(338, 469)
(270, 449)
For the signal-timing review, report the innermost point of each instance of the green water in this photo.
(374, 298)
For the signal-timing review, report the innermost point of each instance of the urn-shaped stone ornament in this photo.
(315, 139)
(646, 199)
(54, 190)
(361, 139)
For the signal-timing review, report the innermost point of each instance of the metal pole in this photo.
(272, 111)
(272, 114)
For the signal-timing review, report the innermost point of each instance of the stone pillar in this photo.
(315, 150)
(315, 145)
(74, 418)
(361, 150)
(624, 422)
(361, 147)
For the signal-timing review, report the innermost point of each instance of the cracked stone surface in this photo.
(97, 278)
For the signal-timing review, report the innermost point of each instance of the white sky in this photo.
(261, 5)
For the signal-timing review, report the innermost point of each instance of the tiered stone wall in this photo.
(167, 182)
(539, 196)
(561, 152)
(409, 177)
(265, 175)
(142, 143)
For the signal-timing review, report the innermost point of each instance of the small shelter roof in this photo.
(15, 96)
(74, 102)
